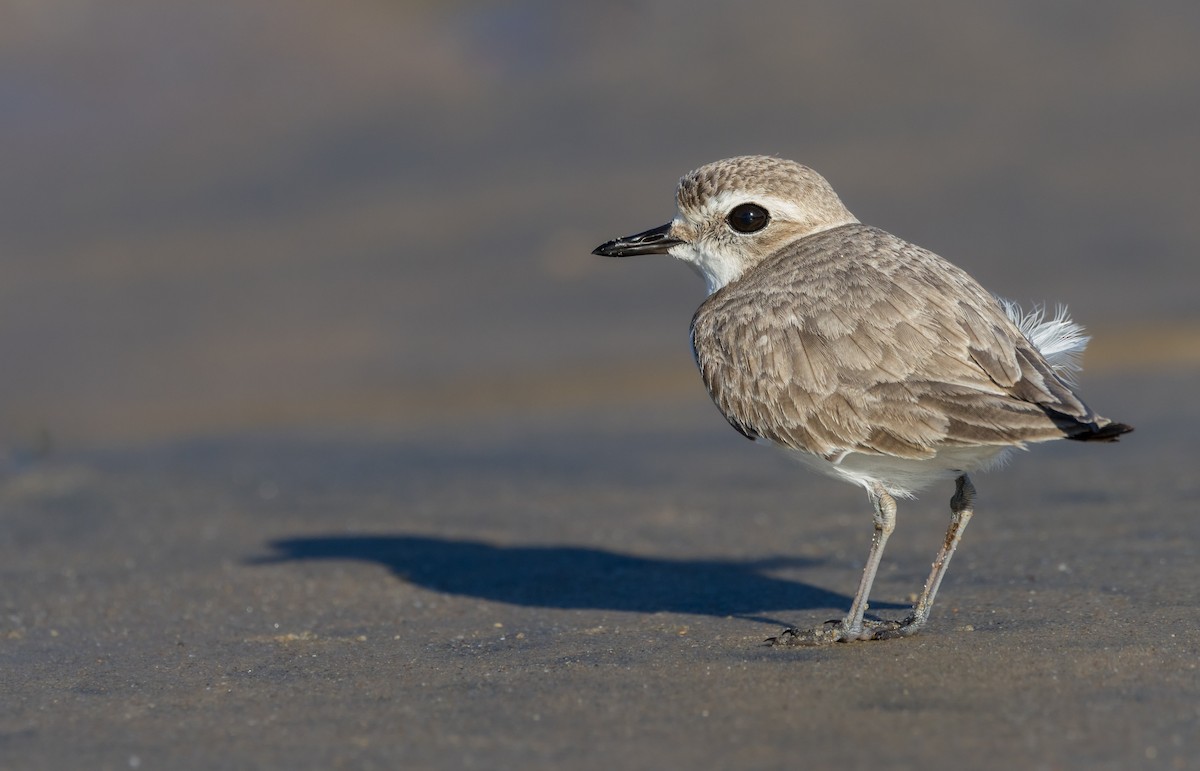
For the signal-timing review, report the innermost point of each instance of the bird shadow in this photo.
(571, 577)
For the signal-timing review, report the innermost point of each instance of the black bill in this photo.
(656, 241)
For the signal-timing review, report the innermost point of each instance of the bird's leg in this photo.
(885, 522)
(852, 627)
(961, 509)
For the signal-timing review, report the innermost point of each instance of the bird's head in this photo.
(735, 213)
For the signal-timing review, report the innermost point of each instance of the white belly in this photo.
(903, 477)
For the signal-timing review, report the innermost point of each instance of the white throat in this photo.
(719, 264)
(717, 269)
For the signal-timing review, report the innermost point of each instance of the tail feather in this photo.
(1058, 339)
(1061, 342)
(1108, 432)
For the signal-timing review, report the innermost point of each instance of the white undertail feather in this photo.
(1058, 338)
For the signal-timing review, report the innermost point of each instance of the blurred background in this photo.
(265, 215)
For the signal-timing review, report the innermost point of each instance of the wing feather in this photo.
(854, 340)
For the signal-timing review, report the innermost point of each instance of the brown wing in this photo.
(853, 339)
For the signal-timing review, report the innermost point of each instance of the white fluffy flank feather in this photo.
(1058, 338)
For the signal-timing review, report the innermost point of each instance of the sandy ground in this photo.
(592, 594)
(325, 442)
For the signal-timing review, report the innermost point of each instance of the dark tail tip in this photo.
(1110, 432)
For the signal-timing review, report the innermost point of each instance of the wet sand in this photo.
(593, 593)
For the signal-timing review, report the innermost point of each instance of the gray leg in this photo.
(852, 627)
(960, 514)
(885, 523)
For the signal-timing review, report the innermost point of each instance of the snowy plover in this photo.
(868, 358)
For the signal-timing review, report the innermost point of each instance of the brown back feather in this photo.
(853, 339)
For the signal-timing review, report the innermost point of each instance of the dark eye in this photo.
(748, 218)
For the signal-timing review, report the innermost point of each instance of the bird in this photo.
(867, 358)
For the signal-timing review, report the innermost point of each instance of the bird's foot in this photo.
(826, 634)
(838, 631)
